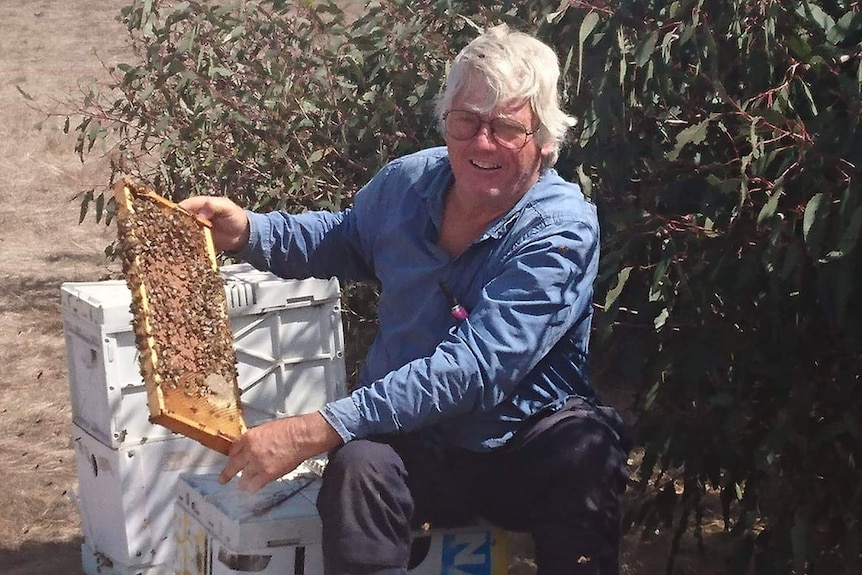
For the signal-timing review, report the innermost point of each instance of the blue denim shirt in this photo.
(527, 283)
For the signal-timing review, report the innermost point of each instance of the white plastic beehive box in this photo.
(221, 529)
(287, 335)
(218, 532)
(125, 495)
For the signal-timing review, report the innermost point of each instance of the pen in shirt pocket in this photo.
(457, 310)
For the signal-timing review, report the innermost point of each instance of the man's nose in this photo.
(485, 135)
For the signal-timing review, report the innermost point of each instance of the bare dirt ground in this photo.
(46, 48)
(49, 48)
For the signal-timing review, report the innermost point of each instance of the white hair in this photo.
(511, 66)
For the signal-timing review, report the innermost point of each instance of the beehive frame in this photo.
(179, 311)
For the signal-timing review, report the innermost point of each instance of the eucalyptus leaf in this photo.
(816, 14)
(811, 214)
(87, 197)
(586, 28)
(847, 24)
(617, 289)
(556, 15)
(693, 134)
(645, 50)
(661, 319)
(769, 208)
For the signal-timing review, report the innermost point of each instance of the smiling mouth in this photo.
(484, 165)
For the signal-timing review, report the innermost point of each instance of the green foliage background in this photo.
(720, 140)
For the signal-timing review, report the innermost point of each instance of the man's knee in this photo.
(362, 475)
(365, 508)
(590, 452)
(362, 459)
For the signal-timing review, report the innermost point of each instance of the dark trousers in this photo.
(560, 478)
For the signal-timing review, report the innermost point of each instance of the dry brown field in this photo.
(47, 48)
(50, 49)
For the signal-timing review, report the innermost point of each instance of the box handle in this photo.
(244, 563)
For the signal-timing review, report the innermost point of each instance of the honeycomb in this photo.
(179, 314)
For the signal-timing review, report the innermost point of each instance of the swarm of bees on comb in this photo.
(179, 313)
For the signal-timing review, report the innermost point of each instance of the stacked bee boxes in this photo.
(221, 530)
(289, 348)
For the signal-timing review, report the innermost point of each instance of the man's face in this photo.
(488, 175)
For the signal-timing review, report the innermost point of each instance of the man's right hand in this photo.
(270, 450)
(230, 223)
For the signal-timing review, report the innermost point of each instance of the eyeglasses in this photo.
(464, 125)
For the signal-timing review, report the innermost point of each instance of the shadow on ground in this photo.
(60, 558)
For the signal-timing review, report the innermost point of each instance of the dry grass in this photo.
(49, 48)
(46, 48)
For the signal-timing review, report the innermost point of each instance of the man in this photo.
(474, 399)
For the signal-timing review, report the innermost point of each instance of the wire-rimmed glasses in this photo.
(464, 125)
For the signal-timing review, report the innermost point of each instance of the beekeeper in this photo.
(474, 400)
